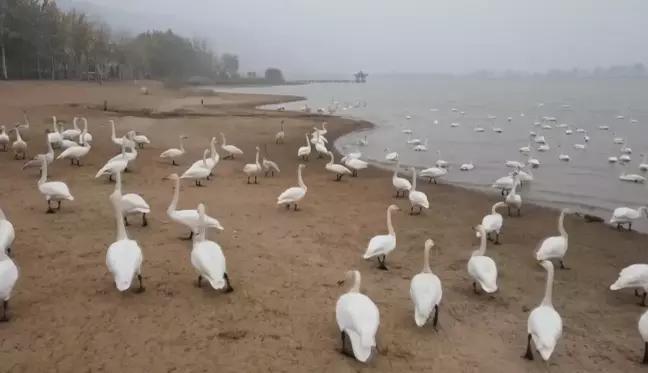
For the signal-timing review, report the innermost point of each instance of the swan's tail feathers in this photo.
(426, 205)
(489, 287)
(217, 284)
(616, 286)
(544, 347)
(368, 254)
(70, 198)
(420, 318)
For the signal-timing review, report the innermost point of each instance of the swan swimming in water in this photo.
(358, 319)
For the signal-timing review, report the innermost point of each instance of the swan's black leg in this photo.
(496, 238)
(475, 287)
(381, 263)
(629, 226)
(266, 174)
(9, 252)
(645, 357)
(191, 234)
(248, 180)
(229, 287)
(141, 288)
(519, 211)
(199, 282)
(412, 210)
(435, 322)
(509, 210)
(643, 300)
(173, 162)
(71, 161)
(126, 169)
(296, 209)
(288, 206)
(636, 293)
(272, 173)
(529, 354)
(619, 226)
(125, 221)
(562, 265)
(144, 221)
(435, 181)
(255, 180)
(49, 208)
(5, 308)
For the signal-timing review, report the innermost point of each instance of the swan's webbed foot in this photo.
(529, 354)
(354, 173)
(381, 263)
(49, 210)
(191, 234)
(266, 174)
(141, 288)
(199, 281)
(173, 162)
(435, 321)
(562, 265)
(509, 211)
(5, 308)
(144, 221)
(229, 287)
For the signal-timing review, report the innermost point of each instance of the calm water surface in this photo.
(587, 183)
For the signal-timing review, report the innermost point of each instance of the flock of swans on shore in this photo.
(356, 314)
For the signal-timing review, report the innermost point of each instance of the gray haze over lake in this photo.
(588, 182)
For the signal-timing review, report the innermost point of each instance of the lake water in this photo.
(587, 183)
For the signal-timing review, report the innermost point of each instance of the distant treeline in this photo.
(38, 40)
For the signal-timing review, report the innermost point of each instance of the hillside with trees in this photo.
(39, 40)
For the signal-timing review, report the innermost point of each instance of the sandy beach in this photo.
(67, 316)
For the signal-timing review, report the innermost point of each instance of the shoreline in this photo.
(284, 264)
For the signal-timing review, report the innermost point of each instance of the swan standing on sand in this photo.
(320, 147)
(402, 185)
(85, 136)
(295, 194)
(7, 234)
(440, 162)
(113, 166)
(381, 245)
(544, 325)
(198, 173)
(52, 190)
(492, 223)
(75, 153)
(433, 173)
(188, 218)
(625, 215)
(481, 268)
(633, 276)
(514, 199)
(208, 259)
(338, 169)
(555, 247)
(54, 137)
(49, 156)
(355, 165)
(124, 256)
(417, 198)
(4, 138)
(19, 146)
(8, 278)
(279, 137)
(305, 151)
(253, 169)
(358, 319)
(140, 140)
(426, 291)
(119, 141)
(72, 133)
(230, 149)
(268, 165)
(174, 153)
(131, 203)
(210, 162)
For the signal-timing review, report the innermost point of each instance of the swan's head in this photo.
(184, 137)
(546, 264)
(393, 208)
(207, 151)
(566, 211)
(301, 166)
(349, 275)
(257, 148)
(429, 244)
(213, 140)
(201, 209)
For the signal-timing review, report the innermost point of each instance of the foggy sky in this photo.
(413, 36)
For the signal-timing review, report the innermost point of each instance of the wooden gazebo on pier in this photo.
(360, 77)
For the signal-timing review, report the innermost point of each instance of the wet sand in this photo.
(66, 314)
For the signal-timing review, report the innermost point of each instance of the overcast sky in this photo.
(413, 35)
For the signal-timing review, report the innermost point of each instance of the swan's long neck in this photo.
(494, 209)
(54, 125)
(118, 182)
(438, 154)
(176, 196)
(330, 161)
(85, 125)
(546, 301)
(202, 230)
(43, 177)
(482, 244)
(300, 180)
(112, 128)
(561, 226)
(213, 150)
(18, 136)
(74, 123)
(205, 158)
(257, 157)
(182, 145)
(355, 288)
(514, 189)
(224, 140)
(390, 227)
(413, 179)
(308, 141)
(426, 260)
(121, 228)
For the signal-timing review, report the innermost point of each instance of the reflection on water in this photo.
(588, 182)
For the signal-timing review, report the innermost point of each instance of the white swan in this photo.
(492, 223)
(305, 151)
(433, 173)
(85, 137)
(253, 169)
(4, 138)
(7, 234)
(131, 203)
(52, 190)
(121, 140)
(8, 278)
(320, 147)
(198, 173)
(643, 166)
(49, 156)
(426, 291)
(112, 166)
(75, 153)
(174, 153)
(72, 133)
(412, 141)
(513, 199)
(19, 146)
(633, 178)
(555, 247)
(533, 162)
(279, 137)
(544, 325)
(481, 268)
(467, 166)
(523, 176)
(381, 245)
(402, 185)
(268, 165)
(633, 276)
(440, 162)
(514, 164)
(210, 162)
(417, 198)
(625, 215)
(294, 194)
(188, 218)
(391, 156)
(642, 325)
(140, 140)
(230, 149)
(338, 169)
(124, 256)
(358, 318)
(208, 259)
(54, 137)
(505, 183)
